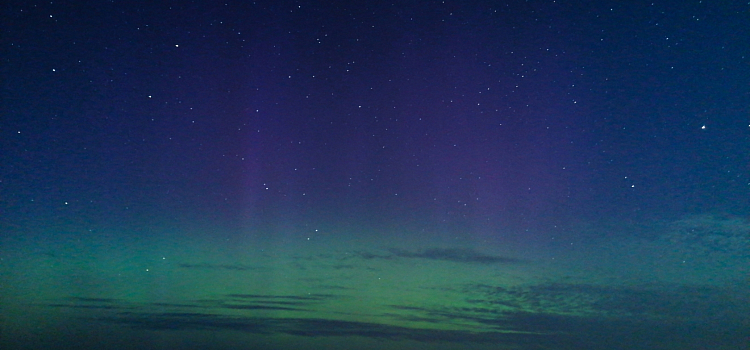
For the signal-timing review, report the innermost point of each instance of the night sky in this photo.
(375, 175)
(443, 116)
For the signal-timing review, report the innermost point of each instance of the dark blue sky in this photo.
(446, 115)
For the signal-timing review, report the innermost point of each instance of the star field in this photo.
(443, 113)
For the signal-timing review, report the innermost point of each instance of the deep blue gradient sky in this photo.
(445, 115)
